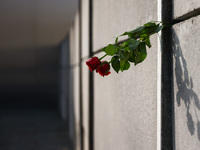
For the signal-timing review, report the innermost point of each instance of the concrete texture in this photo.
(126, 106)
(125, 103)
(32, 129)
(112, 18)
(74, 41)
(85, 28)
(85, 100)
(75, 81)
(76, 94)
(183, 7)
(186, 63)
(85, 71)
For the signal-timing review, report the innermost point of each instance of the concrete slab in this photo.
(112, 18)
(182, 7)
(85, 100)
(74, 41)
(76, 98)
(186, 64)
(85, 28)
(126, 106)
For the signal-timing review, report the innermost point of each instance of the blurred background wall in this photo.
(154, 105)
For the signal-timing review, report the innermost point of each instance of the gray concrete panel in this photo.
(112, 18)
(74, 41)
(85, 28)
(186, 72)
(126, 106)
(85, 102)
(76, 94)
(183, 7)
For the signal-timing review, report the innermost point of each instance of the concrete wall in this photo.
(74, 69)
(186, 76)
(127, 106)
(125, 103)
(85, 71)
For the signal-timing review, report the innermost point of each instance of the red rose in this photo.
(93, 63)
(104, 69)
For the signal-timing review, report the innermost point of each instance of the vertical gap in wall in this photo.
(166, 79)
(159, 52)
(91, 81)
(80, 75)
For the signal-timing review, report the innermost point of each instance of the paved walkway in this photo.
(32, 129)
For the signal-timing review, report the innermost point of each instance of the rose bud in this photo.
(93, 63)
(104, 69)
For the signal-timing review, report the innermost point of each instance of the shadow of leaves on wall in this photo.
(185, 92)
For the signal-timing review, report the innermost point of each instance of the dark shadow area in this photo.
(32, 129)
(30, 118)
(29, 77)
(185, 93)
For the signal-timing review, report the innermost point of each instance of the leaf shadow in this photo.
(185, 93)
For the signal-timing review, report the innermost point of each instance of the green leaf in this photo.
(141, 58)
(138, 30)
(133, 44)
(116, 40)
(132, 57)
(111, 49)
(125, 33)
(153, 28)
(127, 65)
(135, 33)
(150, 24)
(142, 48)
(115, 63)
(147, 42)
(124, 46)
(158, 28)
(140, 53)
(124, 55)
(103, 49)
(124, 65)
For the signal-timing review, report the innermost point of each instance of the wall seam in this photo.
(159, 54)
(80, 76)
(167, 136)
(91, 80)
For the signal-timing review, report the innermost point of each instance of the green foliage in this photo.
(132, 50)
(115, 63)
(111, 49)
(133, 44)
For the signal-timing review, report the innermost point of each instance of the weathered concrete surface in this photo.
(182, 7)
(74, 41)
(125, 107)
(125, 103)
(112, 18)
(76, 93)
(186, 63)
(75, 74)
(85, 102)
(85, 28)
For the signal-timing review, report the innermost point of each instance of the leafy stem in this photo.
(133, 49)
(103, 56)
